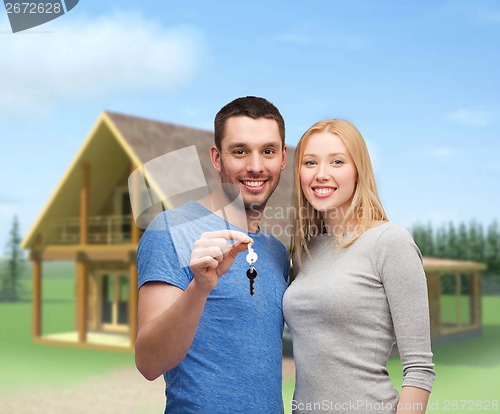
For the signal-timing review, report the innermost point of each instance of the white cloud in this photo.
(9, 199)
(442, 152)
(84, 59)
(436, 216)
(489, 16)
(470, 117)
(480, 12)
(308, 36)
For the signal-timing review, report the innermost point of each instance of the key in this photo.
(251, 256)
(251, 274)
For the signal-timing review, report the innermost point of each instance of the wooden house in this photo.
(88, 221)
(455, 306)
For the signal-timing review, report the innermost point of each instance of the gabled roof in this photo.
(141, 140)
(432, 264)
(147, 139)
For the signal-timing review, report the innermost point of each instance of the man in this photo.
(218, 347)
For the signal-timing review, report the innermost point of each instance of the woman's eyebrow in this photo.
(329, 155)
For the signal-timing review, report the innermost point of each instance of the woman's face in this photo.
(327, 175)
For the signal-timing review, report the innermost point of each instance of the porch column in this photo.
(132, 306)
(434, 289)
(81, 297)
(475, 296)
(134, 195)
(458, 294)
(84, 203)
(37, 294)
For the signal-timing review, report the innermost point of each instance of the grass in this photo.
(449, 308)
(24, 363)
(58, 310)
(466, 370)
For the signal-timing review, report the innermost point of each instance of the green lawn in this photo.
(466, 370)
(24, 363)
(58, 295)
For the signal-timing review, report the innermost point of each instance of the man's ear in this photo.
(283, 158)
(215, 158)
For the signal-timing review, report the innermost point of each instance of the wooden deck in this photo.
(94, 340)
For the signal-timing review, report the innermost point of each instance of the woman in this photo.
(359, 287)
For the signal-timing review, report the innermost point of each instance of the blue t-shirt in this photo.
(234, 363)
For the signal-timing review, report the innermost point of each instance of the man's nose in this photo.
(255, 163)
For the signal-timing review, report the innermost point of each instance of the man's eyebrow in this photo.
(272, 145)
(244, 144)
(237, 145)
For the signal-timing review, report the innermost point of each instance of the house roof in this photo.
(434, 265)
(142, 140)
(149, 139)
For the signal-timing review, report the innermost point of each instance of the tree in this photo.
(423, 235)
(430, 240)
(441, 247)
(463, 244)
(418, 238)
(13, 266)
(493, 247)
(452, 251)
(476, 242)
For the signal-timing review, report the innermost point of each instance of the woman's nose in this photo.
(321, 175)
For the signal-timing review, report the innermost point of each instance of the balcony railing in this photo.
(101, 230)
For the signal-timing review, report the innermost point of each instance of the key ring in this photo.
(251, 258)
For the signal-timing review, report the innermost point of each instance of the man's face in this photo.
(251, 158)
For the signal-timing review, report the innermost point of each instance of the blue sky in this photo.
(420, 79)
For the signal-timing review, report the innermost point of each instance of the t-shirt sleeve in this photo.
(157, 258)
(402, 274)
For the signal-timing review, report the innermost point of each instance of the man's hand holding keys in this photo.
(213, 256)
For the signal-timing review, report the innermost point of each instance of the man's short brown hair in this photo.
(251, 106)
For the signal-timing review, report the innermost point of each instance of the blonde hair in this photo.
(365, 207)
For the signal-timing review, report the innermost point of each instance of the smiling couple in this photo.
(359, 288)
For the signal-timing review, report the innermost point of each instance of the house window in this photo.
(126, 211)
(114, 302)
(122, 211)
(456, 301)
(107, 299)
(123, 300)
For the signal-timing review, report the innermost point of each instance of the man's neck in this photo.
(253, 219)
(234, 212)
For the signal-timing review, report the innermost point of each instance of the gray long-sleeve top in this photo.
(346, 309)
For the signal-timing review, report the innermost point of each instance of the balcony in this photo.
(101, 230)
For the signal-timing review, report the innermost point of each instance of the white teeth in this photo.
(253, 183)
(323, 191)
